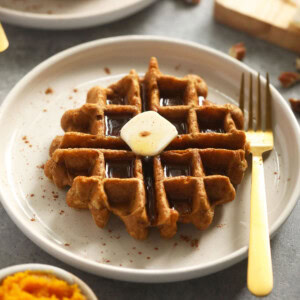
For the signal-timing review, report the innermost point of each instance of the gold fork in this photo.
(260, 274)
(3, 40)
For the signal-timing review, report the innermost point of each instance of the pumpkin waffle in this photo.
(184, 183)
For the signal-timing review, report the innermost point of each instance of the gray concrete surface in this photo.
(174, 19)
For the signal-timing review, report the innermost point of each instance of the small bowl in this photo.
(59, 273)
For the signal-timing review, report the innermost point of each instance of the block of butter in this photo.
(148, 133)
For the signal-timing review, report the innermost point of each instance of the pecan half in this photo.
(289, 78)
(295, 104)
(238, 51)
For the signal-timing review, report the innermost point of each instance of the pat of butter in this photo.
(148, 133)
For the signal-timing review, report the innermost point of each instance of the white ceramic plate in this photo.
(30, 119)
(67, 14)
(58, 272)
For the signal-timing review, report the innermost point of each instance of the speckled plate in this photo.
(67, 14)
(30, 119)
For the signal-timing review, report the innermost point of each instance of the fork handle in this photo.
(260, 274)
(3, 39)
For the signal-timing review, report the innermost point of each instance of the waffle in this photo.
(184, 183)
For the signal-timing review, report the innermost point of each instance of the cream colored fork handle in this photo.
(260, 274)
(3, 40)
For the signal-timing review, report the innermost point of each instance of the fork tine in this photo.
(242, 94)
(268, 105)
(258, 109)
(250, 115)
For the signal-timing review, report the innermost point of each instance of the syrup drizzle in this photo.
(150, 188)
(180, 125)
(170, 101)
(217, 130)
(114, 123)
(206, 125)
(148, 167)
(170, 97)
(117, 100)
(143, 92)
(119, 169)
(173, 170)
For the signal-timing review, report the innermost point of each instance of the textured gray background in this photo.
(174, 19)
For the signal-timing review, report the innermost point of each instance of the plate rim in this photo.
(35, 20)
(115, 272)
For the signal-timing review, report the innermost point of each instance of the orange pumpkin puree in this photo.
(30, 285)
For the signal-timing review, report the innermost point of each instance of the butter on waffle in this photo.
(182, 184)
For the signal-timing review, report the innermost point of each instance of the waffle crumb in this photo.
(107, 70)
(49, 91)
(220, 225)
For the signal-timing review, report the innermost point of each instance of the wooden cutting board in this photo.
(269, 20)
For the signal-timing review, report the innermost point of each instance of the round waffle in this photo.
(183, 184)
